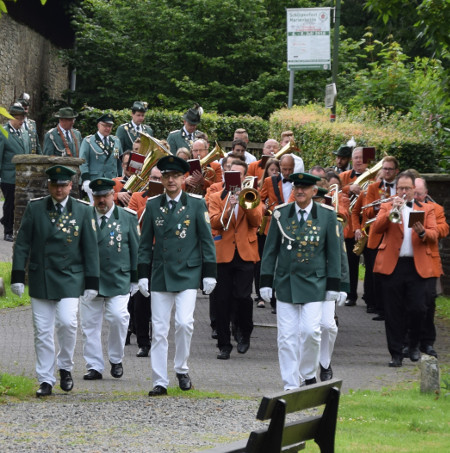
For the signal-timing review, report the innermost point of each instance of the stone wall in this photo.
(28, 63)
(31, 179)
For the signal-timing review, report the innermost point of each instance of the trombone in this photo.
(249, 198)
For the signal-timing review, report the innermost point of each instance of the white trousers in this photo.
(298, 341)
(162, 303)
(49, 315)
(91, 315)
(329, 333)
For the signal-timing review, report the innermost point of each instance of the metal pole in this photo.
(291, 88)
(334, 66)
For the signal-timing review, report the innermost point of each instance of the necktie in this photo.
(18, 133)
(105, 140)
(172, 204)
(67, 136)
(301, 216)
(102, 225)
(58, 208)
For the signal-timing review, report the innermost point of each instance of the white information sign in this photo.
(308, 38)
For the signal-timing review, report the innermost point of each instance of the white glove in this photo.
(143, 287)
(332, 295)
(209, 284)
(342, 298)
(266, 293)
(134, 288)
(86, 187)
(18, 288)
(89, 294)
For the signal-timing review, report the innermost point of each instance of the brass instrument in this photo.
(153, 149)
(249, 198)
(360, 244)
(395, 216)
(287, 149)
(208, 173)
(377, 203)
(363, 180)
(268, 213)
(334, 188)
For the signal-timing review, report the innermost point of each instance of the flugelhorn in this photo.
(377, 203)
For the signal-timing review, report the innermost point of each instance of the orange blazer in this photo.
(389, 249)
(269, 198)
(118, 188)
(443, 229)
(137, 202)
(216, 187)
(241, 234)
(255, 169)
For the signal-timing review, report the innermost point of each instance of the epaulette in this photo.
(36, 199)
(130, 211)
(281, 205)
(195, 195)
(154, 196)
(173, 132)
(326, 206)
(82, 201)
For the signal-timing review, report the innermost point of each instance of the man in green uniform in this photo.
(58, 240)
(63, 140)
(184, 138)
(101, 153)
(127, 133)
(177, 246)
(301, 261)
(17, 142)
(117, 237)
(29, 125)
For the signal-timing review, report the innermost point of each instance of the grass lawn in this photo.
(11, 300)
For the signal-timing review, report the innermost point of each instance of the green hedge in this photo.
(163, 121)
(410, 141)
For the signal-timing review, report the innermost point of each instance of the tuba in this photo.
(153, 149)
(287, 149)
(363, 180)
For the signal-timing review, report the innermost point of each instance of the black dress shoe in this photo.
(428, 349)
(405, 352)
(45, 389)
(243, 346)
(350, 302)
(92, 375)
(274, 311)
(9, 238)
(224, 354)
(326, 373)
(214, 334)
(158, 390)
(184, 381)
(116, 370)
(143, 352)
(396, 362)
(66, 381)
(378, 318)
(414, 354)
(311, 381)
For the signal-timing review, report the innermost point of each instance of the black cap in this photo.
(321, 192)
(16, 109)
(101, 186)
(107, 118)
(59, 174)
(303, 179)
(193, 115)
(139, 106)
(343, 151)
(66, 112)
(172, 163)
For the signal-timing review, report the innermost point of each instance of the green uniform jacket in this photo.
(62, 250)
(128, 135)
(30, 127)
(177, 139)
(303, 269)
(100, 162)
(9, 147)
(54, 146)
(183, 251)
(345, 273)
(118, 248)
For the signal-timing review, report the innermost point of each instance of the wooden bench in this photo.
(290, 437)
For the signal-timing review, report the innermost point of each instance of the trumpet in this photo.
(249, 198)
(395, 216)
